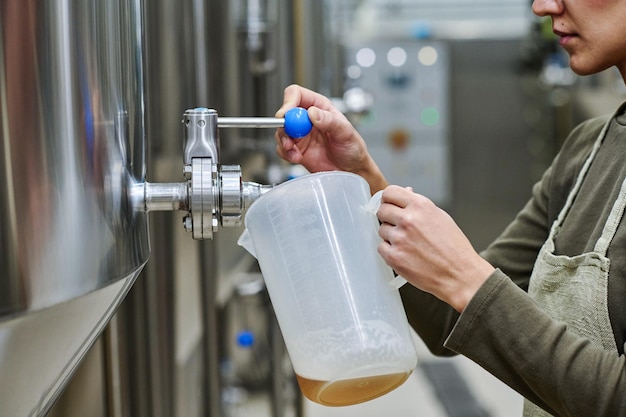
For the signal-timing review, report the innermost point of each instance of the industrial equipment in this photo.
(214, 194)
(71, 244)
(407, 125)
(74, 231)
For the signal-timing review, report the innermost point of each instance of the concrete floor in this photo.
(429, 392)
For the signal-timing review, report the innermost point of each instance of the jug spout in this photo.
(251, 191)
(245, 241)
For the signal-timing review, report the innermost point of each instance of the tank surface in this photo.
(71, 146)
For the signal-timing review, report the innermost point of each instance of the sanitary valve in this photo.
(213, 194)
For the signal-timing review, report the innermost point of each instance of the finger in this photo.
(385, 250)
(389, 214)
(286, 148)
(293, 156)
(297, 96)
(292, 97)
(385, 231)
(398, 196)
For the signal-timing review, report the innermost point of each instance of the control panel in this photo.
(406, 126)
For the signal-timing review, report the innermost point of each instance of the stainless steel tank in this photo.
(72, 145)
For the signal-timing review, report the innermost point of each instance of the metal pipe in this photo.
(269, 122)
(211, 329)
(251, 191)
(166, 196)
(173, 196)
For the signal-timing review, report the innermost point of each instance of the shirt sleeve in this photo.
(504, 331)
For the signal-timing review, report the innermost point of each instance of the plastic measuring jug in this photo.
(336, 300)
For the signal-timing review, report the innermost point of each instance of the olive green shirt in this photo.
(505, 331)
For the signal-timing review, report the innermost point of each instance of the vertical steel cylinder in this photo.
(72, 145)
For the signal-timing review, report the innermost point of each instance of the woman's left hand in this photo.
(423, 244)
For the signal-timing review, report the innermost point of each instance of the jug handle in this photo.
(372, 207)
(397, 282)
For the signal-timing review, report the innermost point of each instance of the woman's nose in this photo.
(548, 7)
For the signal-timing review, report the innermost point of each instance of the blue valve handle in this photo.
(296, 122)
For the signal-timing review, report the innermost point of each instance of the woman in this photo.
(543, 307)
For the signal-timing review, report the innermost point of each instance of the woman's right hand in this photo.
(332, 145)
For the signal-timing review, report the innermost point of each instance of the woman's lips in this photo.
(564, 37)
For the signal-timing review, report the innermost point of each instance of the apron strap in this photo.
(579, 180)
(615, 217)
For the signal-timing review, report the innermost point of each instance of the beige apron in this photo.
(574, 290)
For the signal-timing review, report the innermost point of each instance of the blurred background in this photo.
(106, 312)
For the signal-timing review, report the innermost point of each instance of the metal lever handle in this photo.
(212, 194)
(296, 122)
(250, 122)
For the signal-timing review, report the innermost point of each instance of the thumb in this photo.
(317, 117)
(330, 123)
